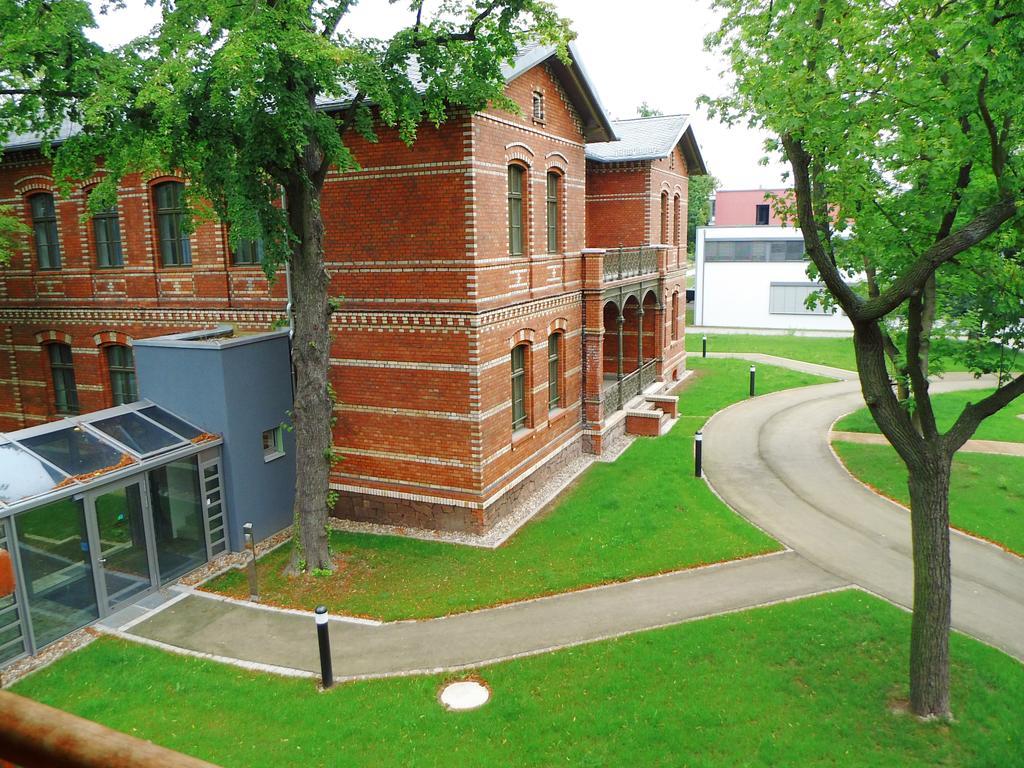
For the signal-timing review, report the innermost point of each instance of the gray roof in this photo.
(16, 141)
(596, 126)
(649, 138)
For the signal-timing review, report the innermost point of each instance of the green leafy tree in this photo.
(902, 124)
(698, 207)
(646, 110)
(231, 96)
(46, 59)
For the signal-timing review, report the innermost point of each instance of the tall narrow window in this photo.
(121, 363)
(63, 370)
(175, 249)
(761, 214)
(515, 210)
(519, 411)
(675, 315)
(538, 106)
(677, 209)
(664, 218)
(554, 371)
(106, 232)
(552, 200)
(249, 252)
(44, 223)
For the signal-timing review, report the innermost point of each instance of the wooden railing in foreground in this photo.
(33, 735)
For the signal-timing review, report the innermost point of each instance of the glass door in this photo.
(120, 523)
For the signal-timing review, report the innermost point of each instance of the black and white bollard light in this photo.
(753, 374)
(698, 444)
(250, 567)
(324, 640)
(703, 346)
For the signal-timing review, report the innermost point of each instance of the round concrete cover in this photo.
(467, 694)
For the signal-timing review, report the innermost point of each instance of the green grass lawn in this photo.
(1005, 425)
(833, 351)
(809, 683)
(836, 352)
(986, 497)
(641, 515)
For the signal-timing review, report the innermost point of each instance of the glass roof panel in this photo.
(23, 475)
(173, 423)
(143, 437)
(76, 451)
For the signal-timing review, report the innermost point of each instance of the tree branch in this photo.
(998, 150)
(40, 91)
(946, 249)
(974, 413)
(917, 367)
(468, 34)
(833, 279)
(333, 19)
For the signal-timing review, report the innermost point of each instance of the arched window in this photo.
(552, 211)
(44, 224)
(675, 315)
(515, 210)
(664, 218)
(106, 232)
(121, 364)
(554, 371)
(677, 209)
(520, 389)
(62, 369)
(175, 249)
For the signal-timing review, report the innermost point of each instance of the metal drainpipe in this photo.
(288, 282)
(288, 308)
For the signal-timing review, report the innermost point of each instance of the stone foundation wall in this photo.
(450, 517)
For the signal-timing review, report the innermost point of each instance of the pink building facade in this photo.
(745, 208)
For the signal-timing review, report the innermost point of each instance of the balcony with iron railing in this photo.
(623, 263)
(606, 267)
(617, 392)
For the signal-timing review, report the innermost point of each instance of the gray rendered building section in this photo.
(238, 387)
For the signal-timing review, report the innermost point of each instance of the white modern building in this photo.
(756, 277)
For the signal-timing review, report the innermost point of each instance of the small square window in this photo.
(761, 215)
(273, 444)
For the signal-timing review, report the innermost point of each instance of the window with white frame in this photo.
(273, 444)
(791, 299)
(538, 106)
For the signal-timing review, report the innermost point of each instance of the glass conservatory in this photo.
(97, 511)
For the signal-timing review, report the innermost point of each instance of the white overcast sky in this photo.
(642, 50)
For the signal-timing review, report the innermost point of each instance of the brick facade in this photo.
(432, 306)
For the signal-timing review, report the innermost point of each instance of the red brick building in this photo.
(512, 284)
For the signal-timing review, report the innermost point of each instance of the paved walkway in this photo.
(769, 458)
(971, 446)
(232, 630)
(827, 371)
(699, 330)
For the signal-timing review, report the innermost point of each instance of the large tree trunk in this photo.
(929, 634)
(928, 466)
(311, 348)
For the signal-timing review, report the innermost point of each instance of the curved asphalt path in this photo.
(769, 458)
